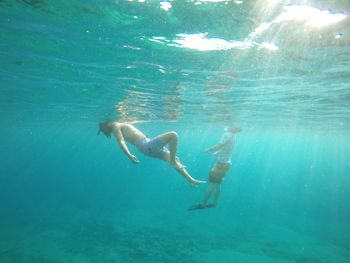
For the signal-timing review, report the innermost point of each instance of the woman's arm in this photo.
(120, 139)
(214, 148)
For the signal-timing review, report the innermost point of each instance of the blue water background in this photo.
(69, 195)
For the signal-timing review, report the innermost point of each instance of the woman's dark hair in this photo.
(106, 128)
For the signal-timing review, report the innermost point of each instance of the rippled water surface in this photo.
(262, 62)
(280, 70)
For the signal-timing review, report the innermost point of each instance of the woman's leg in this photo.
(217, 192)
(207, 194)
(180, 168)
(170, 138)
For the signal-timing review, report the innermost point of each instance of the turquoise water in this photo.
(278, 69)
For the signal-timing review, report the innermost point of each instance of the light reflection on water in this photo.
(209, 62)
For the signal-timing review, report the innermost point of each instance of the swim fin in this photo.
(196, 207)
(200, 206)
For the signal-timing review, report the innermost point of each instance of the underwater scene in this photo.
(204, 131)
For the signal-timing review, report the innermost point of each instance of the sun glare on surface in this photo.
(310, 16)
(201, 42)
(300, 16)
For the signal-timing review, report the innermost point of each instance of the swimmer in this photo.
(154, 147)
(222, 153)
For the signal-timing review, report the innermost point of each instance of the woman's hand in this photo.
(134, 159)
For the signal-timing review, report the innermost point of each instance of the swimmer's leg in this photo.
(207, 194)
(182, 170)
(171, 139)
(217, 192)
(194, 182)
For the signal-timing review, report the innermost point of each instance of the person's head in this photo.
(234, 129)
(106, 128)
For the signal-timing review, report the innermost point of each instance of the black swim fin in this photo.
(196, 207)
(200, 206)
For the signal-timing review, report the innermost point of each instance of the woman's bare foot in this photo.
(195, 182)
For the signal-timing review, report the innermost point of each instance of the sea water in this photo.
(278, 69)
